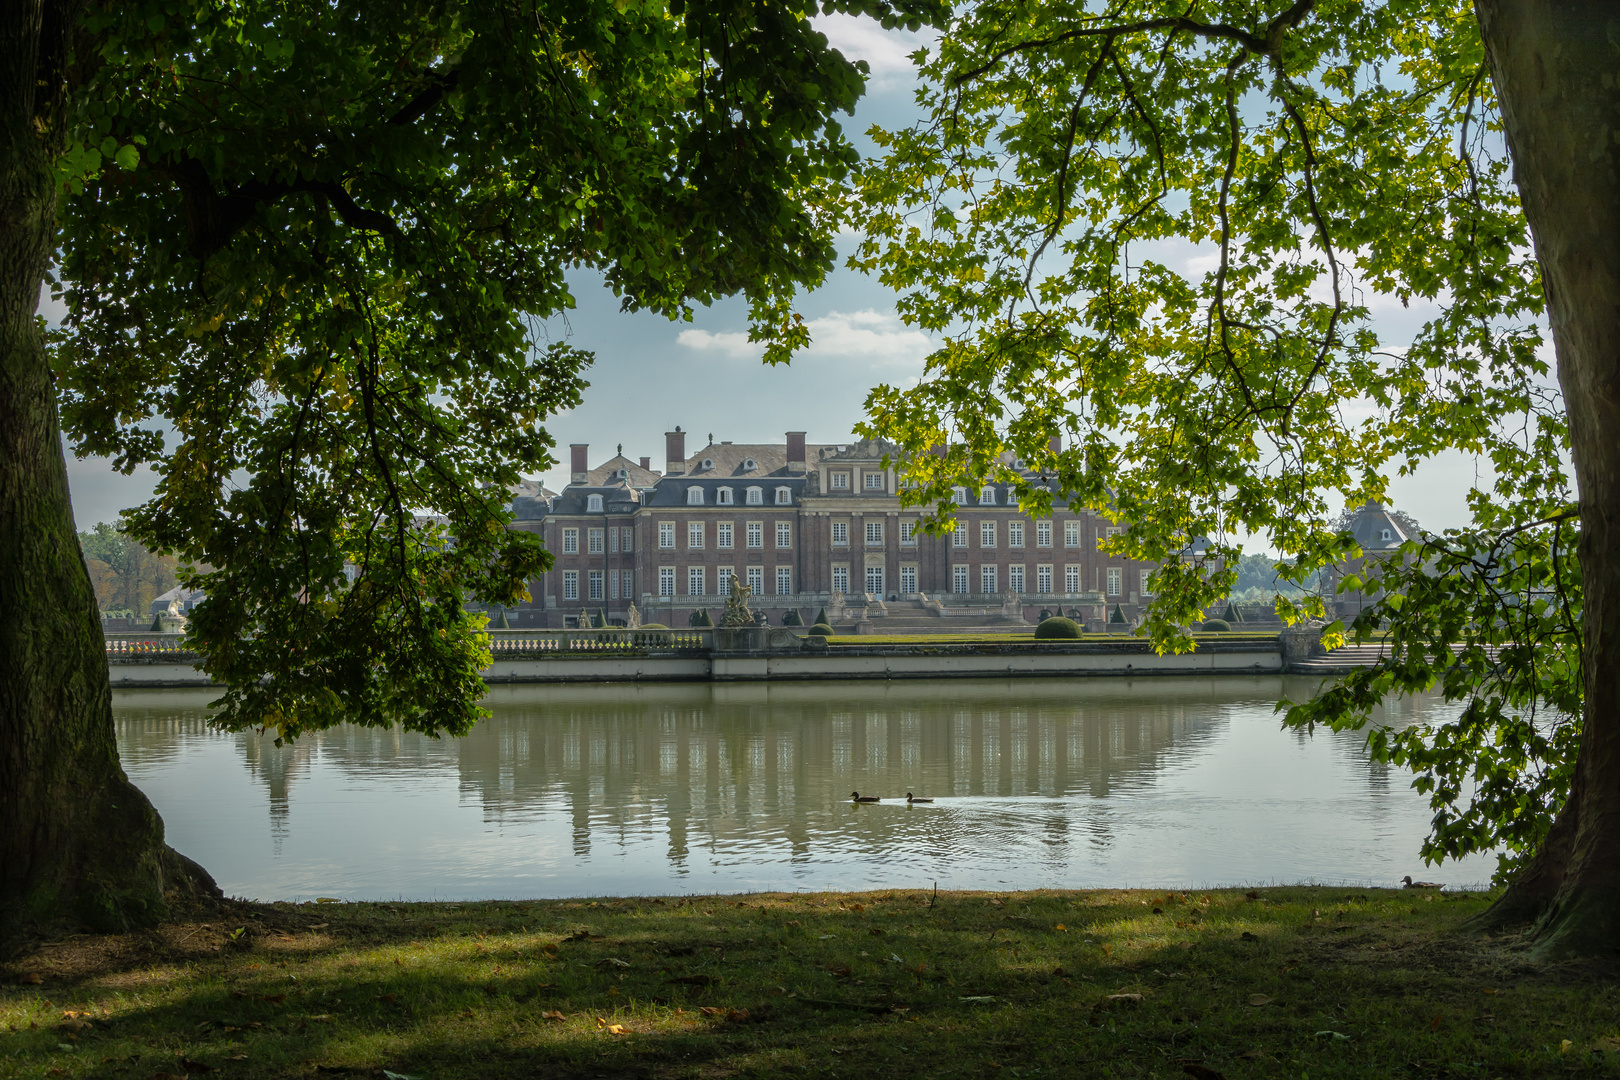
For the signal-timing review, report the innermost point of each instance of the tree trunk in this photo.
(1555, 66)
(77, 839)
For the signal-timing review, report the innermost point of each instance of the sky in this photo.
(652, 374)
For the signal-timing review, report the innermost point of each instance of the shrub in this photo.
(700, 617)
(1044, 615)
(652, 626)
(821, 629)
(821, 618)
(1118, 615)
(792, 618)
(1217, 625)
(1057, 628)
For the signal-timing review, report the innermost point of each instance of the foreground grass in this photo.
(1298, 982)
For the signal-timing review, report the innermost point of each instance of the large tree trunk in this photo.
(77, 839)
(1556, 65)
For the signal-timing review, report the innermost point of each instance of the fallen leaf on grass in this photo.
(1258, 1000)
(552, 1014)
(1563, 1047)
(840, 971)
(618, 1029)
(1131, 998)
(611, 961)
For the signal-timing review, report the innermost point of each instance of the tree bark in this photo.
(1555, 66)
(77, 839)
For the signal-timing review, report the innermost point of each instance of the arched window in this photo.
(784, 496)
(756, 496)
(1386, 534)
(725, 497)
(708, 463)
(748, 465)
(694, 496)
(987, 496)
(959, 495)
(593, 504)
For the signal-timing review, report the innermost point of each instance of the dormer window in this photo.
(593, 504)
(749, 465)
(839, 480)
(694, 496)
(708, 463)
(959, 496)
(756, 496)
(987, 496)
(1385, 535)
(621, 474)
(724, 498)
(784, 496)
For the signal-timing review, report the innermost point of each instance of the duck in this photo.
(910, 798)
(856, 796)
(1408, 883)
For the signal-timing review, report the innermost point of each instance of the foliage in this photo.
(1160, 231)
(821, 629)
(125, 574)
(1217, 626)
(305, 252)
(653, 626)
(1057, 628)
(791, 617)
(700, 617)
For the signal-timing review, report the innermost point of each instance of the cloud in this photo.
(886, 52)
(877, 338)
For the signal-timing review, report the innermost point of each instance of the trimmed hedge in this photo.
(652, 626)
(821, 629)
(700, 617)
(1217, 625)
(1057, 628)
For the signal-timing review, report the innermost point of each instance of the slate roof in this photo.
(634, 474)
(730, 459)
(865, 450)
(616, 499)
(1370, 524)
(671, 491)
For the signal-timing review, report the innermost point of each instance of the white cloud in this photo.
(886, 52)
(879, 339)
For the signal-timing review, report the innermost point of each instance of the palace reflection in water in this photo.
(657, 787)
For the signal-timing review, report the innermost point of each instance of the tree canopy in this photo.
(1178, 235)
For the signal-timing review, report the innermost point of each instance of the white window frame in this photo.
(593, 541)
(1071, 534)
(1043, 580)
(908, 532)
(784, 581)
(627, 540)
(959, 496)
(695, 538)
(593, 504)
(694, 496)
(838, 481)
(666, 535)
(867, 482)
(1015, 534)
(908, 580)
(754, 578)
(613, 541)
(570, 588)
(1043, 534)
(874, 534)
(613, 584)
(959, 579)
(840, 534)
(724, 533)
(1071, 579)
(1015, 578)
(987, 534)
(987, 579)
(722, 580)
(666, 581)
(695, 576)
(840, 577)
(754, 535)
(959, 535)
(570, 541)
(784, 535)
(754, 496)
(1143, 584)
(628, 587)
(987, 496)
(723, 497)
(1115, 574)
(594, 581)
(784, 496)
(875, 575)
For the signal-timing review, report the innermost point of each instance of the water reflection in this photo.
(655, 788)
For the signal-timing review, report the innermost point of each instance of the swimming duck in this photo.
(910, 798)
(858, 797)
(1410, 884)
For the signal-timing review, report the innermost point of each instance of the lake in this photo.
(622, 789)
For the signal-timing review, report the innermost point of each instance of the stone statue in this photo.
(737, 613)
(632, 618)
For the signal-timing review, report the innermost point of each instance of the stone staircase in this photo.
(915, 617)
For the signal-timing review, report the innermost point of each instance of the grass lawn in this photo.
(1288, 982)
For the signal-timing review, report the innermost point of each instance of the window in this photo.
(908, 580)
(613, 585)
(596, 584)
(784, 581)
(873, 481)
(987, 496)
(908, 532)
(666, 581)
(570, 584)
(840, 578)
(694, 581)
(1043, 579)
(627, 586)
(784, 534)
(987, 580)
(1015, 578)
(1071, 580)
(839, 481)
(1015, 534)
(756, 580)
(694, 535)
(723, 581)
(724, 497)
(1043, 534)
(613, 541)
(708, 463)
(756, 497)
(755, 534)
(749, 464)
(874, 532)
(784, 496)
(1385, 535)
(987, 534)
(666, 535)
(593, 504)
(1071, 534)
(874, 580)
(722, 535)
(627, 541)
(840, 534)
(694, 496)
(1113, 581)
(570, 541)
(959, 496)
(959, 579)
(1146, 574)
(595, 541)
(959, 535)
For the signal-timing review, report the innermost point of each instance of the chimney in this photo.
(795, 452)
(646, 463)
(579, 468)
(675, 452)
(1055, 444)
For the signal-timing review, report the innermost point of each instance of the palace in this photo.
(805, 526)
